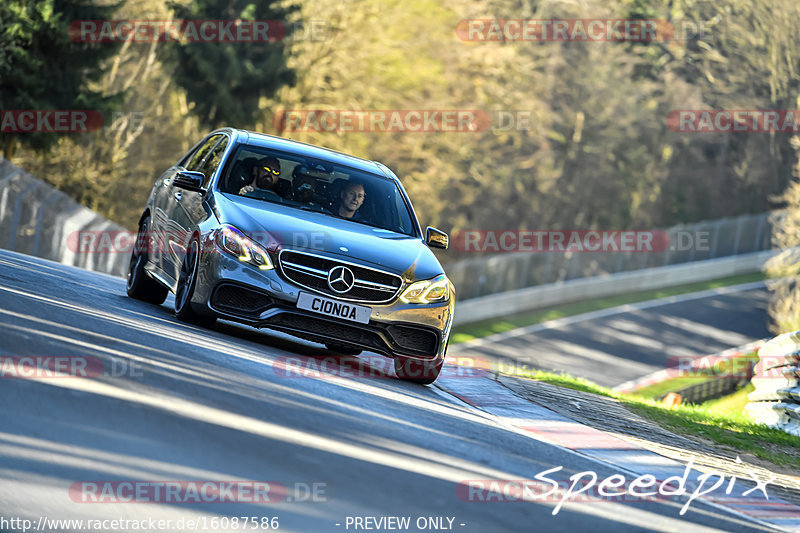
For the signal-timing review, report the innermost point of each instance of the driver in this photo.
(266, 176)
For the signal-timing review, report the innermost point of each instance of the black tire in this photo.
(139, 284)
(341, 349)
(416, 371)
(187, 281)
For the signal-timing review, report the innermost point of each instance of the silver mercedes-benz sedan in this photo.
(284, 235)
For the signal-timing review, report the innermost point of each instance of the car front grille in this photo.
(328, 330)
(239, 300)
(311, 271)
(391, 339)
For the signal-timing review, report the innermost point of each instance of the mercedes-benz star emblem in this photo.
(340, 279)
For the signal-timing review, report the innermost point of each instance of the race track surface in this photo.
(174, 403)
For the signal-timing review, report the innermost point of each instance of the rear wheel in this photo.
(416, 371)
(342, 349)
(139, 284)
(187, 281)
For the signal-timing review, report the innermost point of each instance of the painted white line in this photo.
(603, 313)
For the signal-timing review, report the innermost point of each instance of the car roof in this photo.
(309, 150)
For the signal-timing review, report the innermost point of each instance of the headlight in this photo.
(234, 242)
(428, 291)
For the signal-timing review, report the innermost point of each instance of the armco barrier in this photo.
(487, 274)
(543, 296)
(775, 401)
(37, 219)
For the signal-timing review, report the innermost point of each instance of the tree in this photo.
(43, 68)
(224, 81)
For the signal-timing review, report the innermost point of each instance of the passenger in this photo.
(351, 198)
(303, 186)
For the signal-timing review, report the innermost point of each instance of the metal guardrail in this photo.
(498, 273)
(39, 220)
(544, 296)
(775, 402)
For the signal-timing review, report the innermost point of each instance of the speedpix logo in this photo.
(587, 486)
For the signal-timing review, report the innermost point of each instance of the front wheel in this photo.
(139, 285)
(416, 371)
(187, 281)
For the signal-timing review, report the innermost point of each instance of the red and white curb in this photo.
(490, 396)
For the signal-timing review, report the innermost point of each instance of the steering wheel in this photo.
(265, 194)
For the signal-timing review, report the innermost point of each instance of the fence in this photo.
(775, 401)
(688, 243)
(36, 219)
(709, 390)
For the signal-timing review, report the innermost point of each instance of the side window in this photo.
(197, 158)
(213, 160)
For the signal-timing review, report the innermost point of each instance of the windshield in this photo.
(317, 185)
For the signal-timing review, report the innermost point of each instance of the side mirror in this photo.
(436, 239)
(189, 180)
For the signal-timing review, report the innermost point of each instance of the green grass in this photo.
(485, 328)
(722, 421)
(732, 403)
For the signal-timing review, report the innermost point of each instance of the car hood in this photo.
(277, 226)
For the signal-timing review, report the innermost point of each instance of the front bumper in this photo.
(237, 291)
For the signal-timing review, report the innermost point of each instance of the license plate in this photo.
(334, 308)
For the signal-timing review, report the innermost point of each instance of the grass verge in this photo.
(485, 328)
(722, 421)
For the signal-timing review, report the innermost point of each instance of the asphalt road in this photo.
(177, 404)
(616, 345)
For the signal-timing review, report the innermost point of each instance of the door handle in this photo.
(178, 196)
